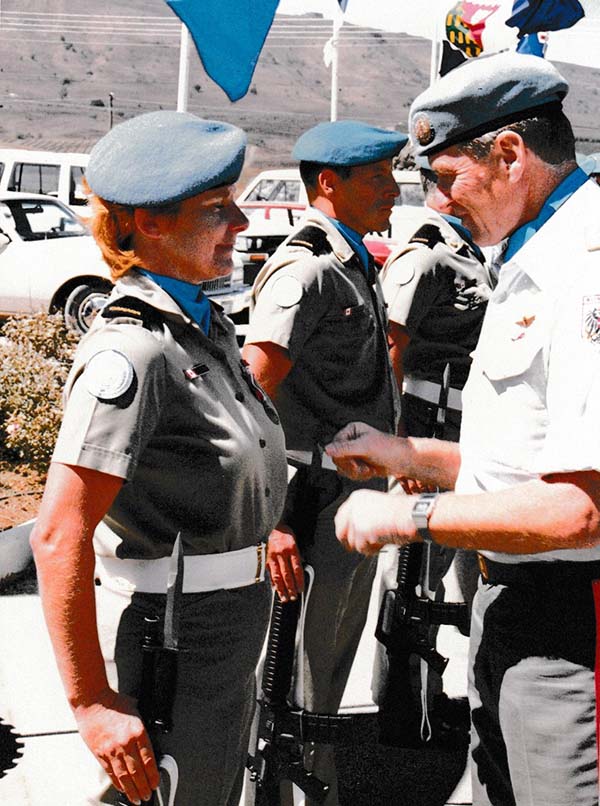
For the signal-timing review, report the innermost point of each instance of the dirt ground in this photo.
(20, 493)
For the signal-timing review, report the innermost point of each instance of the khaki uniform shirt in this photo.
(437, 288)
(332, 321)
(171, 412)
(532, 402)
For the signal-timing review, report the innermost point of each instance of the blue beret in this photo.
(163, 157)
(590, 163)
(481, 95)
(347, 142)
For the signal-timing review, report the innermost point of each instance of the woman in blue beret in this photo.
(164, 435)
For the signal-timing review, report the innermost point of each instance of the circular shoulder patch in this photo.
(286, 291)
(402, 271)
(108, 375)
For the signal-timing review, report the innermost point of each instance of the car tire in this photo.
(83, 303)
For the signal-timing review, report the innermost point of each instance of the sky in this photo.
(579, 44)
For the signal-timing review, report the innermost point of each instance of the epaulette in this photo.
(429, 235)
(313, 238)
(132, 308)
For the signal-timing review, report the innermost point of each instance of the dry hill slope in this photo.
(60, 63)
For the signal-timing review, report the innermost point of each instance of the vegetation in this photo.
(35, 356)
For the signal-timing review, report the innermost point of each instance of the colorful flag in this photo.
(229, 36)
(533, 16)
(465, 24)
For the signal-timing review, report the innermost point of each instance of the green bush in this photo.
(35, 356)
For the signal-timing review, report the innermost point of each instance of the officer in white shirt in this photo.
(526, 476)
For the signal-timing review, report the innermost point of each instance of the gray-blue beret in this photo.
(163, 157)
(347, 142)
(590, 163)
(481, 95)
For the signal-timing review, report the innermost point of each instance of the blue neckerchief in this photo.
(557, 198)
(464, 233)
(354, 239)
(187, 295)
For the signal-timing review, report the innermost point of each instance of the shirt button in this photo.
(262, 443)
(267, 492)
(240, 396)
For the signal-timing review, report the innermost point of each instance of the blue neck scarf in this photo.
(556, 199)
(354, 239)
(187, 295)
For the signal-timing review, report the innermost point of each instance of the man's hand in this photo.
(284, 563)
(114, 732)
(362, 452)
(369, 520)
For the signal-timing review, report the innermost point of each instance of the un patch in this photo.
(590, 319)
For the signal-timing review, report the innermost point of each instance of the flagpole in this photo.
(334, 71)
(184, 69)
(435, 46)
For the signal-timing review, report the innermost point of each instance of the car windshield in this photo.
(38, 219)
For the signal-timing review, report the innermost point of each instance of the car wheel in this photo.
(82, 305)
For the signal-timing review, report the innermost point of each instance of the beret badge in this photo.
(422, 129)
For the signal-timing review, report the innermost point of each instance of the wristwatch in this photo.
(421, 512)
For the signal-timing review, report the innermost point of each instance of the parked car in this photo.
(276, 199)
(52, 173)
(50, 262)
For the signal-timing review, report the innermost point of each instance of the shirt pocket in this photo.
(511, 360)
(353, 322)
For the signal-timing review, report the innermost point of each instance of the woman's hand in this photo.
(112, 729)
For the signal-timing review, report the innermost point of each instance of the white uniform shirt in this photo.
(532, 402)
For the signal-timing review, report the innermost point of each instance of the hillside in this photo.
(60, 64)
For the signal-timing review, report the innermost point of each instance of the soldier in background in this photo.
(317, 343)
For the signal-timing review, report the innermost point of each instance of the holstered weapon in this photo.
(403, 627)
(158, 682)
(280, 746)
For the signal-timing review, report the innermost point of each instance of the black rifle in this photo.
(158, 682)
(279, 752)
(405, 619)
(403, 627)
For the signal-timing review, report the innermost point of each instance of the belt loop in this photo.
(482, 567)
(259, 562)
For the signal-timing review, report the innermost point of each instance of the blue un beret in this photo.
(347, 142)
(481, 95)
(163, 157)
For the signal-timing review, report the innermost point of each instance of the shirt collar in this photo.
(354, 239)
(555, 200)
(187, 295)
(464, 233)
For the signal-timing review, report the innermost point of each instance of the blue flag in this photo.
(229, 36)
(533, 16)
(343, 4)
(532, 45)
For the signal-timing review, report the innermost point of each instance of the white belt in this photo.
(202, 572)
(307, 458)
(429, 391)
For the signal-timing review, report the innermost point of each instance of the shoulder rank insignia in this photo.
(313, 238)
(429, 235)
(132, 308)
